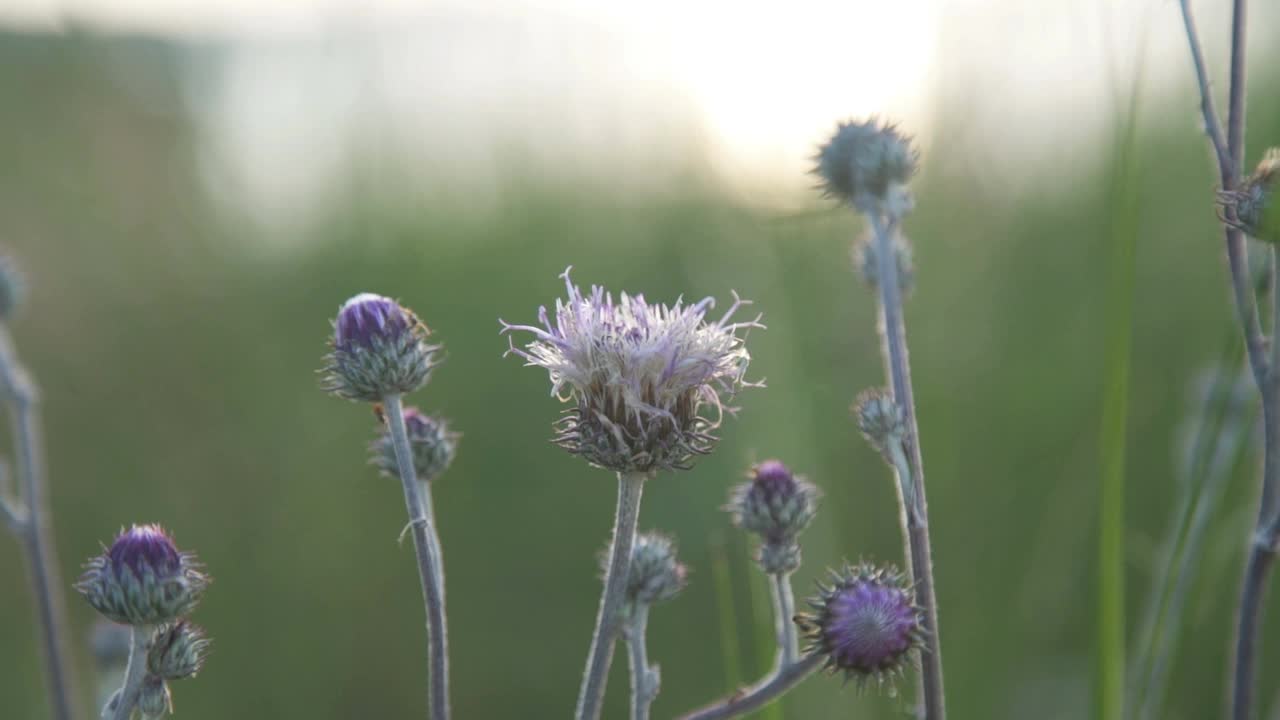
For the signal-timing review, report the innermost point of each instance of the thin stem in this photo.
(596, 674)
(417, 500)
(35, 531)
(895, 346)
(1212, 127)
(644, 679)
(1235, 106)
(121, 706)
(762, 693)
(784, 611)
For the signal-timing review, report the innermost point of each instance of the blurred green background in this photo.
(176, 342)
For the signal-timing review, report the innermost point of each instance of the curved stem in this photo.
(899, 369)
(784, 611)
(33, 529)
(644, 679)
(590, 697)
(762, 693)
(417, 500)
(121, 706)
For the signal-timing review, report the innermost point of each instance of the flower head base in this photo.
(880, 418)
(379, 348)
(1250, 208)
(154, 701)
(777, 506)
(648, 382)
(865, 622)
(178, 651)
(865, 261)
(656, 574)
(142, 579)
(867, 164)
(433, 445)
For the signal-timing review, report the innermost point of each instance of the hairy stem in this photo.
(121, 706)
(32, 527)
(784, 611)
(899, 369)
(599, 657)
(426, 543)
(774, 685)
(644, 679)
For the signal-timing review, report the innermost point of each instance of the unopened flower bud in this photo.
(775, 504)
(1251, 208)
(154, 701)
(432, 443)
(880, 418)
(178, 651)
(143, 579)
(865, 261)
(867, 164)
(656, 574)
(379, 348)
(865, 623)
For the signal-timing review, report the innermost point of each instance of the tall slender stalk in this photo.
(596, 674)
(899, 371)
(33, 529)
(784, 604)
(644, 679)
(417, 499)
(121, 705)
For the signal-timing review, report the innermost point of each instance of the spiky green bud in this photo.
(433, 446)
(868, 165)
(1251, 208)
(656, 574)
(178, 651)
(379, 348)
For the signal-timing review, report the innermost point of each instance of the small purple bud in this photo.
(379, 349)
(367, 319)
(773, 479)
(145, 548)
(776, 505)
(865, 623)
(143, 579)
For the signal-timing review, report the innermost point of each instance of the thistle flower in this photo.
(880, 418)
(1249, 208)
(143, 579)
(432, 443)
(868, 165)
(865, 261)
(154, 701)
(648, 382)
(777, 506)
(865, 622)
(656, 574)
(178, 651)
(379, 348)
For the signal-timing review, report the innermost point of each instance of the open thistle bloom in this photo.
(656, 574)
(178, 651)
(1250, 208)
(430, 439)
(865, 622)
(868, 165)
(648, 381)
(379, 348)
(143, 579)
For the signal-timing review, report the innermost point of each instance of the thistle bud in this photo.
(1250, 207)
(154, 700)
(178, 651)
(656, 574)
(432, 443)
(867, 164)
(865, 622)
(379, 348)
(865, 261)
(774, 504)
(880, 418)
(13, 288)
(143, 579)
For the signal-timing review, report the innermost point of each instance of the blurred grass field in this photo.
(176, 343)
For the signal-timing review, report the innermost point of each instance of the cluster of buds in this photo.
(1250, 207)
(144, 581)
(379, 348)
(430, 439)
(648, 382)
(777, 506)
(867, 164)
(865, 623)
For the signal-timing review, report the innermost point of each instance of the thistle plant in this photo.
(655, 576)
(647, 384)
(867, 166)
(1247, 207)
(145, 582)
(25, 513)
(379, 353)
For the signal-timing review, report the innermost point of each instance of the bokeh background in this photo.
(193, 190)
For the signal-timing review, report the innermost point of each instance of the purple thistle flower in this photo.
(649, 382)
(866, 623)
(143, 579)
(776, 505)
(379, 349)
